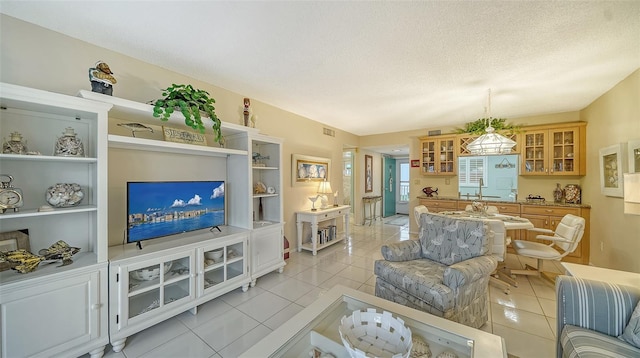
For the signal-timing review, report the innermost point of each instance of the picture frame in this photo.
(13, 240)
(368, 173)
(633, 153)
(612, 163)
(308, 169)
(415, 163)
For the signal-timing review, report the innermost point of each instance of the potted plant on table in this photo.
(192, 103)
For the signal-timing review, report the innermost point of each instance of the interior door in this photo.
(389, 184)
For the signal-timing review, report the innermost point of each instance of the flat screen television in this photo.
(157, 209)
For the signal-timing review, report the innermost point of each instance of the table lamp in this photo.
(323, 190)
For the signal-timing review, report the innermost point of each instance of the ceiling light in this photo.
(490, 142)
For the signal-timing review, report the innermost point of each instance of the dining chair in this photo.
(566, 238)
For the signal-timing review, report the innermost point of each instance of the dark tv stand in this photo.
(215, 227)
(139, 244)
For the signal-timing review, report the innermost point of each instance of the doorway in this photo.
(389, 186)
(347, 177)
(402, 196)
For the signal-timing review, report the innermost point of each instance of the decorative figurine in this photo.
(246, 112)
(21, 260)
(101, 78)
(59, 251)
(14, 145)
(135, 127)
(558, 194)
(69, 145)
(429, 191)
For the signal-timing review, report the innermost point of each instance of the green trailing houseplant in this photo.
(480, 126)
(192, 103)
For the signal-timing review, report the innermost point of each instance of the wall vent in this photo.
(329, 132)
(436, 132)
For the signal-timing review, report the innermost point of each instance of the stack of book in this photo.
(326, 234)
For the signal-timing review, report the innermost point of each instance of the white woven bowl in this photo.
(373, 334)
(149, 275)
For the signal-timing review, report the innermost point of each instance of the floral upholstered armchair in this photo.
(446, 272)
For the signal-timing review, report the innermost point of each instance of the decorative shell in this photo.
(64, 195)
(420, 348)
(259, 188)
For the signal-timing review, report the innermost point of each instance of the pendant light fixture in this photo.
(490, 142)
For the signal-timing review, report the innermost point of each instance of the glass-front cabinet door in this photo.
(222, 264)
(552, 152)
(563, 152)
(154, 285)
(535, 153)
(438, 156)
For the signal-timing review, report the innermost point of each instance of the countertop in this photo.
(546, 203)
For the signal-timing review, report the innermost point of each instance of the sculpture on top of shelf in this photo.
(69, 145)
(257, 157)
(21, 260)
(24, 261)
(101, 78)
(246, 111)
(15, 144)
(59, 251)
(135, 127)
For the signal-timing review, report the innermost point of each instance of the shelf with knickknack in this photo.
(55, 142)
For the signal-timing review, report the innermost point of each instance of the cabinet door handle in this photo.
(546, 222)
(96, 306)
(548, 210)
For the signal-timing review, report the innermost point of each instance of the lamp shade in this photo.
(325, 188)
(491, 143)
(632, 193)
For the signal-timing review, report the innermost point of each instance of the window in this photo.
(471, 170)
(404, 181)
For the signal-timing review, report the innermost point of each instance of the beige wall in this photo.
(613, 118)
(35, 57)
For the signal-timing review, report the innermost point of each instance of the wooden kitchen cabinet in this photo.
(436, 206)
(438, 155)
(548, 217)
(554, 150)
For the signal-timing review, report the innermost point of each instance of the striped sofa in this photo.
(590, 317)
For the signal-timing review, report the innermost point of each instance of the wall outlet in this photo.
(601, 246)
(447, 181)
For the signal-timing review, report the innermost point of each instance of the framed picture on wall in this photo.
(368, 173)
(415, 163)
(307, 169)
(611, 169)
(633, 151)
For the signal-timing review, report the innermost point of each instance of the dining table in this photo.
(510, 222)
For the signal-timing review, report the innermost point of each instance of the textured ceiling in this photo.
(373, 67)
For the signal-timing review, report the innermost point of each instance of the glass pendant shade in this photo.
(491, 143)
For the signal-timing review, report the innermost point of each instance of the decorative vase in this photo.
(64, 195)
(69, 145)
(572, 194)
(558, 194)
(14, 145)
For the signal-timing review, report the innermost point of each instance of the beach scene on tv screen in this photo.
(156, 209)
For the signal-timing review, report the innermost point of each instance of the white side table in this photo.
(631, 279)
(319, 216)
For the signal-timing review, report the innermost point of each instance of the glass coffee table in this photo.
(317, 327)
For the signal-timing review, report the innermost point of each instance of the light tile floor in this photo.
(228, 325)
